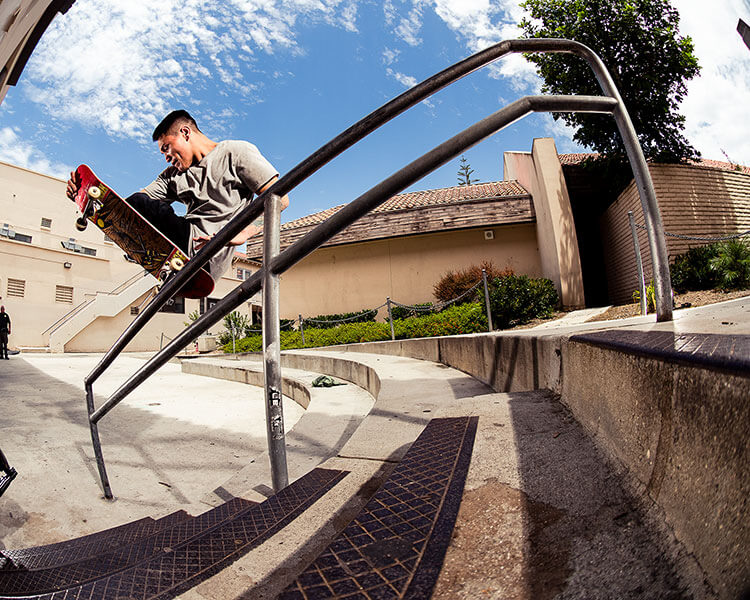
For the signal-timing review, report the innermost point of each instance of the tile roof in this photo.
(577, 158)
(422, 199)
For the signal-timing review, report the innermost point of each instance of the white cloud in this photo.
(121, 66)
(390, 56)
(405, 80)
(15, 151)
(409, 27)
(716, 107)
(482, 23)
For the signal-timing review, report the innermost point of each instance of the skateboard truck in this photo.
(94, 193)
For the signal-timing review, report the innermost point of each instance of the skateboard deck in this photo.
(136, 236)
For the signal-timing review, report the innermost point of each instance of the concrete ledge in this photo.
(680, 430)
(230, 370)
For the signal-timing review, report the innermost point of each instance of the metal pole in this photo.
(639, 263)
(641, 174)
(272, 346)
(390, 317)
(302, 329)
(487, 300)
(97, 445)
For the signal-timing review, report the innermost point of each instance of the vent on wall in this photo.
(64, 294)
(16, 288)
(489, 234)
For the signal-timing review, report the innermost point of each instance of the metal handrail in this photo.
(276, 262)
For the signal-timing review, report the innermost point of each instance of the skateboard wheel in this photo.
(95, 193)
(100, 223)
(176, 263)
(81, 223)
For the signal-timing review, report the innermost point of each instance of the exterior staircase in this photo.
(104, 304)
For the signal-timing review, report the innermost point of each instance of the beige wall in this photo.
(27, 197)
(541, 174)
(359, 276)
(694, 201)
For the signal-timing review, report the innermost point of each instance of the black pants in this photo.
(162, 216)
(3, 344)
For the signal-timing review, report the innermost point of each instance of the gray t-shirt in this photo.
(214, 191)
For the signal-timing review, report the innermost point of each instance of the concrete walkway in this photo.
(167, 444)
(546, 512)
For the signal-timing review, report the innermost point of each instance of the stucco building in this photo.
(546, 218)
(67, 290)
(403, 247)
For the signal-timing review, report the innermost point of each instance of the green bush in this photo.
(467, 318)
(732, 264)
(419, 310)
(692, 270)
(361, 316)
(650, 297)
(517, 299)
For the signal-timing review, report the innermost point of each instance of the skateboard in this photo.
(138, 238)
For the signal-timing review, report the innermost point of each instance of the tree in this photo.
(639, 42)
(464, 173)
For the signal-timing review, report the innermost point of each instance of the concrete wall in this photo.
(541, 174)
(680, 431)
(693, 200)
(354, 277)
(25, 199)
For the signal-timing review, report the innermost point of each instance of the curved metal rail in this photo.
(275, 262)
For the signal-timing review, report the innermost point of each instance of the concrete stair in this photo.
(102, 305)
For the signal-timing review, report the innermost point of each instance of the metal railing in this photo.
(276, 263)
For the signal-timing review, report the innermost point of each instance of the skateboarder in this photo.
(215, 180)
(4, 333)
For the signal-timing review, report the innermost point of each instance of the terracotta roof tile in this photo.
(577, 158)
(421, 199)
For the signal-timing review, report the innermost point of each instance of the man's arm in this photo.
(253, 229)
(257, 226)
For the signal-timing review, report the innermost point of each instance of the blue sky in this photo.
(289, 75)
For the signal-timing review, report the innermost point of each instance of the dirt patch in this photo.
(686, 300)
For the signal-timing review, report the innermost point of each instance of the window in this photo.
(72, 245)
(64, 294)
(207, 304)
(175, 305)
(244, 274)
(7, 232)
(46, 223)
(134, 310)
(16, 288)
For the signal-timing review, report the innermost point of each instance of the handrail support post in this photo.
(272, 345)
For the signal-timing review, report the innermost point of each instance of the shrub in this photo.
(455, 320)
(650, 297)
(467, 318)
(361, 316)
(455, 283)
(692, 270)
(403, 312)
(732, 265)
(517, 299)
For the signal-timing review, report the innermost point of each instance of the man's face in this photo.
(176, 149)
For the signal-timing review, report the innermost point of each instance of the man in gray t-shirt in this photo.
(214, 180)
